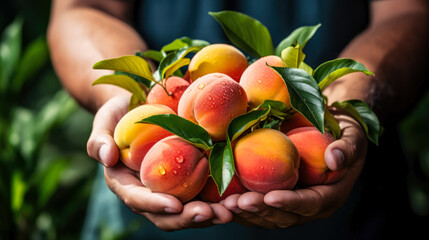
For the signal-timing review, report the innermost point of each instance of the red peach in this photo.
(311, 145)
(176, 167)
(135, 139)
(175, 87)
(212, 102)
(266, 160)
(261, 82)
(218, 58)
(210, 191)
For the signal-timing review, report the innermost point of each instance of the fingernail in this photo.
(339, 156)
(199, 218)
(103, 154)
(171, 210)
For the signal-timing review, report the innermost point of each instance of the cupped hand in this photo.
(285, 208)
(165, 211)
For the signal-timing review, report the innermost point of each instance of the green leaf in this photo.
(152, 54)
(134, 102)
(222, 167)
(306, 68)
(364, 115)
(183, 42)
(181, 63)
(183, 128)
(130, 64)
(136, 78)
(305, 95)
(34, 58)
(125, 82)
(332, 124)
(10, 51)
(173, 60)
(367, 119)
(243, 122)
(299, 36)
(245, 32)
(274, 105)
(329, 71)
(275, 124)
(293, 56)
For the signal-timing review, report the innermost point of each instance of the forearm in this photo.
(80, 35)
(394, 47)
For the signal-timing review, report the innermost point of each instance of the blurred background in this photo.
(46, 176)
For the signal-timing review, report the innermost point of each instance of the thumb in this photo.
(101, 145)
(349, 148)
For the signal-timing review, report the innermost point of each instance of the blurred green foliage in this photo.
(45, 175)
(414, 132)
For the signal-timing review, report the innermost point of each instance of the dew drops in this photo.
(175, 172)
(223, 82)
(179, 166)
(185, 184)
(161, 170)
(262, 167)
(210, 98)
(187, 174)
(179, 159)
(201, 85)
(259, 81)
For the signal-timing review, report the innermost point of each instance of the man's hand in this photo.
(164, 210)
(285, 208)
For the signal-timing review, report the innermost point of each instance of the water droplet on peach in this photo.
(161, 170)
(179, 159)
(201, 85)
(185, 184)
(175, 172)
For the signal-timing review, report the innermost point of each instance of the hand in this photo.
(285, 208)
(164, 210)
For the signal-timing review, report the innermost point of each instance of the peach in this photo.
(175, 87)
(295, 121)
(266, 160)
(210, 191)
(221, 58)
(261, 82)
(176, 167)
(135, 139)
(212, 102)
(311, 145)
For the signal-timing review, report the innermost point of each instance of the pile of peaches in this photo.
(219, 123)
(219, 86)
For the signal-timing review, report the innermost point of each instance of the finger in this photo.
(194, 215)
(222, 214)
(247, 206)
(305, 202)
(347, 150)
(101, 145)
(127, 186)
(231, 203)
(254, 202)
